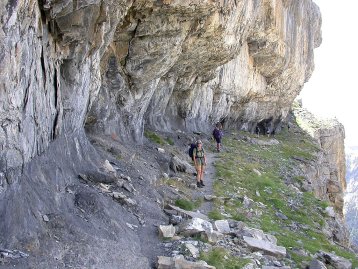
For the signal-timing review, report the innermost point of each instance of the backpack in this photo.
(191, 150)
(217, 133)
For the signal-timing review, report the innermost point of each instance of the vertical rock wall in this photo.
(120, 64)
(180, 65)
(327, 172)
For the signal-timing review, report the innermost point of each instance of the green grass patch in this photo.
(221, 259)
(169, 141)
(152, 136)
(188, 205)
(215, 215)
(277, 163)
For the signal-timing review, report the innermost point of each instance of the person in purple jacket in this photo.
(218, 134)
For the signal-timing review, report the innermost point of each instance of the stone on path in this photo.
(266, 246)
(209, 197)
(257, 172)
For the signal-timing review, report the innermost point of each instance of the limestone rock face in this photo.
(117, 64)
(328, 170)
(110, 67)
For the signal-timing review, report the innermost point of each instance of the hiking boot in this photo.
(198, 185)
(202, 183)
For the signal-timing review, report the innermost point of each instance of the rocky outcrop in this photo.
(116, 64)
(110, 67)
(327, 170)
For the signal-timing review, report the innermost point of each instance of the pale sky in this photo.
(332, 90)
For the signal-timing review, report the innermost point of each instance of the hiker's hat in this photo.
(199, 142)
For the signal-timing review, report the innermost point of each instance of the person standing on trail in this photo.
(218, 134)
(200, 163)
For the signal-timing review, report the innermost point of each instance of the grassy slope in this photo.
(276, 163)
(303, 228)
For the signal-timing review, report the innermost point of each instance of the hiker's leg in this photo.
(202, 173)
(198, 173)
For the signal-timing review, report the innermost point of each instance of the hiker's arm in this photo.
(194, 157)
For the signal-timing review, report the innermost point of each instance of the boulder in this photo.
(213, 237)
(281, 216)
(195, 226)
(194, 252)
(336, 261)
(165, 262)
(175, 219)
(330, 211)
(266, 246)
(222, 226)
(178, 165)
(161, 150)
(166, 231)
(108, 167)
(128, 187)
(258, 234)
(209, 197)
(316, 264)
(123, 199)
(187, 214)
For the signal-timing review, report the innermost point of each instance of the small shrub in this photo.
(153, 137)
(215, 215)
(169, 141)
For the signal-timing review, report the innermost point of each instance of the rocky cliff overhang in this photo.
(116, 65)
(109, 67)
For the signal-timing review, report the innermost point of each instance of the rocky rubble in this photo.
(233, 235)
(257, 247)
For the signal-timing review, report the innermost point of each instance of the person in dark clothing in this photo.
(218, 134)
(257, 131)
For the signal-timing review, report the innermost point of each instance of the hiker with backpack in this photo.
(218, 134)
(199, 159)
